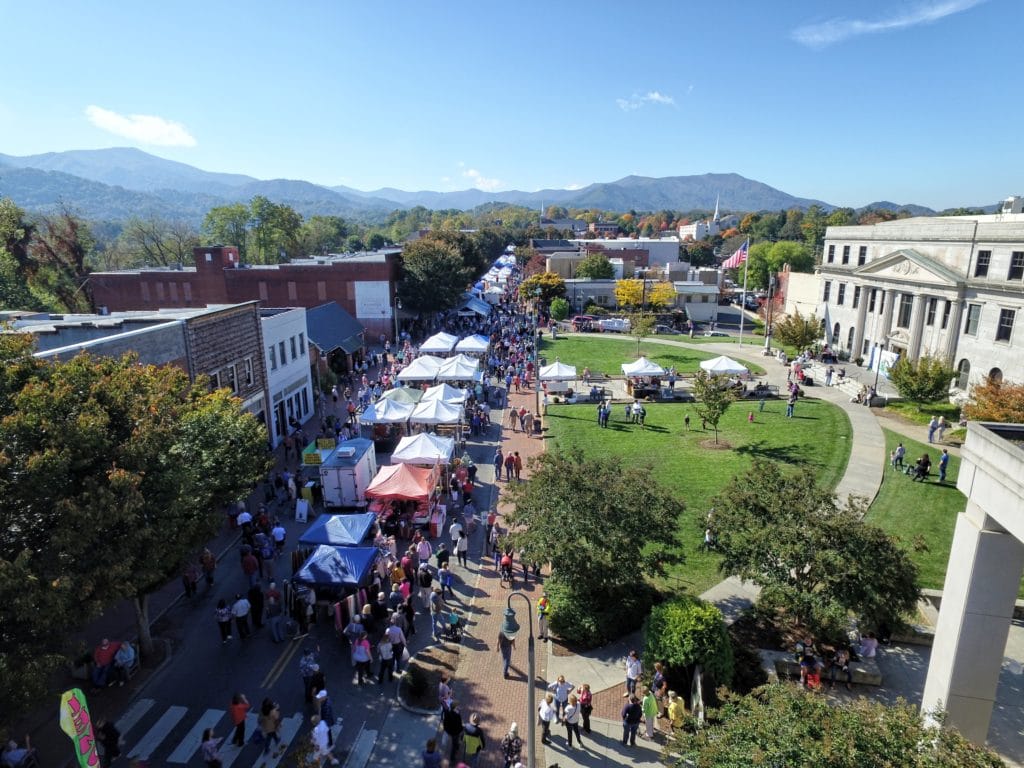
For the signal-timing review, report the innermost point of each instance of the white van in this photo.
(614, 325)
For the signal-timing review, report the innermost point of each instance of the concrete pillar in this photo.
(889, 298)
(916, 326)
(953, 329)
(982, 578)
(858, 324)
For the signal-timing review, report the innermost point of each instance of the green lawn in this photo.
(818, 440)
(603, 353)
(920, 515)
(921, 413)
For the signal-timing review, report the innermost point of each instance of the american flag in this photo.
(737, 258)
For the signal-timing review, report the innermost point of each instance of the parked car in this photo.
(666, 330)
(724, 301)
(613, 325)
(715, 333)
(583, 323)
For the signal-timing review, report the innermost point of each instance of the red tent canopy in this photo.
(403, 481)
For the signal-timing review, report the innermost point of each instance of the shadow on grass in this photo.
(786, 454)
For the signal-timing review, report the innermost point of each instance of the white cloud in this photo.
(479, 180)
(144, 129)
(836, 30)
(574, 186)
(639, 100)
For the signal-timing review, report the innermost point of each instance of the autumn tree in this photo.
(111, 475)
(713, 397)
(996, 400)
(57, 267)
(550, 285)
(595, 267)
(796, 330)
(661, 294)
(601, 524)
(629, 293)
(784, 725)
(924, 380)
(816, 560)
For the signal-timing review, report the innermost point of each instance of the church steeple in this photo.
(715, 217)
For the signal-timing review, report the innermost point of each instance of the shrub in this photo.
(590, 620)
(416, 680)
(686, 631)
(559, 309)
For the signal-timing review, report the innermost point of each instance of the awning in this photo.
(404, 482)
(403, 395)
(423, 368)
(386, 412)
(340, 530)
(446, 393)
(476, 305)
(442, 343)
(642, 367)
(458, 368)
(723, 366)
(424, 449)
(558, 372)
(474, 345)
(436, 412)
(329, 327)
(338, 566)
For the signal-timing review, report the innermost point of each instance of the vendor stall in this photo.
(557, 377)
(341, 530)
(439, 343)
(723, 366)
(410, 395)
(458, 368)
(337, 571)
(423, 368)
(346, 473)
(406, 497)
(424, 449)
(643, 377)
(446, 393)
(474, 345)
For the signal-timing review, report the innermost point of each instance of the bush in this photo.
(560, 309)
(590, 620)
(686, 631)
(416, 680)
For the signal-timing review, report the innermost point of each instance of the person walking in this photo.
(506, 645)
(307, 670)
(222, 613)
(320, 736)
(107, 736)
(510, 467)
(239, 709)
(240, 610)
(499, 462)
(571, 719)
(943, 464)
(396, 636)
(676, 711)
(633, 671)
(210, 749)
(437, 613)
(632, 712)
(512, 746)
(209, 564)
(431, 755)
(326, 713)
(362, 657)
(586, 700)
(546, 714)
(900, 453)
(270, 726)
(932, 426)
(473, 740)
(518, 464)
(446, 579)
(386, 653)
(451, 724)
(462, 550)
(649, 705)
(543, 609)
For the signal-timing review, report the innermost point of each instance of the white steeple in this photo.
(715, 217)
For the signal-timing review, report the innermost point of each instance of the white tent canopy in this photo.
(474, 345)
(446, 393)
(558, 372)
(423, 368)
(439, 342)
(723, 366)
(458, 368)
(424, 449)
(386, 411)
(436, 412)
(642, 367)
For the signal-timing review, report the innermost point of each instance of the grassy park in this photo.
(817, 440)
(921, 515)
(606, 354)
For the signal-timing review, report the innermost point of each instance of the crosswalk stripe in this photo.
(230, 753)
(148, 743)
(190, 744)
(289, 728)
(134, 713)
(359, 755)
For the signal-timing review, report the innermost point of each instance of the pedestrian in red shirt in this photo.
(239, 709)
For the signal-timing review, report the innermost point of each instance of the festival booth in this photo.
(341, 530)
(446, 393)
(445, 418)
(723, 366)
(473, 345)
(557, 376)
(335, 572)
(345, 472)
(459, 368)
(471, 305)
(403, 395)
(643, 378)
(388, 419)
(406, 497)
(440, 343)
(423, 368)
(424, 449)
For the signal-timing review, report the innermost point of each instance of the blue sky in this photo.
(848, 102)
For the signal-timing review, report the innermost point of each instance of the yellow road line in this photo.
(279, 665)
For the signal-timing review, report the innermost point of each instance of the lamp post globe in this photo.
(509, 627)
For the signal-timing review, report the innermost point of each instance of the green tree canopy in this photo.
(560, 309)
(713, 398)
(797, 331)
(783, 725)
(686, 631)
(765, 259)
(323, 234)
(229, 225)
(111, 474)
(923, 380)
(595, 267)
(815, 559)
(435, 276)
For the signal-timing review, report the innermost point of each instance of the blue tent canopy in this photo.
(340, 530)
(337, 566)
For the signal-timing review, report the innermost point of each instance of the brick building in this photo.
(363, 284)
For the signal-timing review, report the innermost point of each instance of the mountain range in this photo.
(112, 184)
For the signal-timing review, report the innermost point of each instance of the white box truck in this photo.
(346, 472)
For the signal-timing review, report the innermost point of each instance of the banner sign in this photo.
(76, 723)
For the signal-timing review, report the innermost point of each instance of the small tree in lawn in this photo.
(999, 401)
(640, 327)
(923, 380)
(560, 308)
(817, 561)
(797, 331)
(713, 398)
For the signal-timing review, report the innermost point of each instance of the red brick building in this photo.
(363, 284)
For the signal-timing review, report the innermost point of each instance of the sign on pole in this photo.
(76, 723)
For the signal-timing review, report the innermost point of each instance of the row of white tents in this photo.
(446, 343)
(427, 367)
(716, 366)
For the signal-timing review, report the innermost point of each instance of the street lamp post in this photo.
(509, 628)
(768, 324)
(398, 306)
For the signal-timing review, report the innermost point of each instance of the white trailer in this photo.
(346, 472)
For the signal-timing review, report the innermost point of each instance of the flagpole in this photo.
(743, 296)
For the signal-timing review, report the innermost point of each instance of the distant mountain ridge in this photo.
(115, 183)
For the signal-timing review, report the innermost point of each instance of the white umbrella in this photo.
(474, 345)
(387, 412)
(558, 372)
(723, 366)
(425, 449)
(439, 342)
(436, 412)
(446, 393)
(423, 368)
(642, 367)
(458, 368)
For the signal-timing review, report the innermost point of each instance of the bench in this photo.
(677, 393)
(864, 671)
